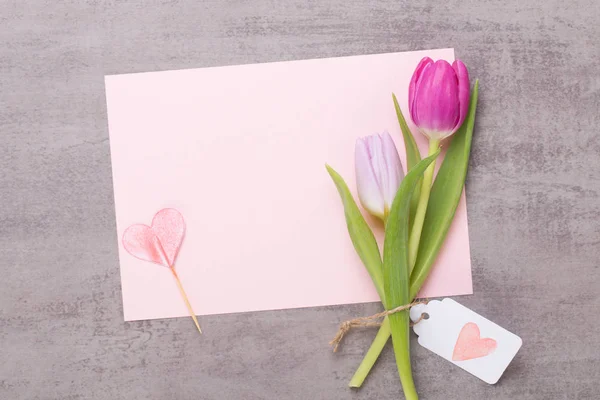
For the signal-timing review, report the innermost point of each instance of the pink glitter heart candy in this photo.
(158, 243)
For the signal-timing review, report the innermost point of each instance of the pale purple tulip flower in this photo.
(438, 97)
(378, 173)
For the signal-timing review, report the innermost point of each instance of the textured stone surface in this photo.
(533, 188)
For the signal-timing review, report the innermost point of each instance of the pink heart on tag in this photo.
(158, 243)
(470, 345)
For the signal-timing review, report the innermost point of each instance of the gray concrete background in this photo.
(533, 190)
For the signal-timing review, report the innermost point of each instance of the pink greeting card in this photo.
(240, 152)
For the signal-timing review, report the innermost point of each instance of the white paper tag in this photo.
(465, 338)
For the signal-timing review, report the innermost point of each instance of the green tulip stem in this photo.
(401, 346)
(372, 355)
(417, 225)
(383, 334)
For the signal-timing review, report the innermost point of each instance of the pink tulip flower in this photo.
(438, 97)
(378, 173)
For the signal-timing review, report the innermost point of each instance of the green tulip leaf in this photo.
(395, 249)
(413, 155)
(360, 233)
(396, 269)
(445, 196)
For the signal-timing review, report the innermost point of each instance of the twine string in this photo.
(371, 321)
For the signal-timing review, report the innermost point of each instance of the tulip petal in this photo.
(414, 83)
(369, 192)
(378, 161)
(394, 169)
(436, 101)
(463, 91)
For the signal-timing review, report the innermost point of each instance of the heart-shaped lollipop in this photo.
(159, 243)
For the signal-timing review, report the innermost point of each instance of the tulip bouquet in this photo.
(416, 210)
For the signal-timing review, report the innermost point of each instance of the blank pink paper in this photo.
(240, 151)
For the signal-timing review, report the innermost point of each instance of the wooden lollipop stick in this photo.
(185, 299)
